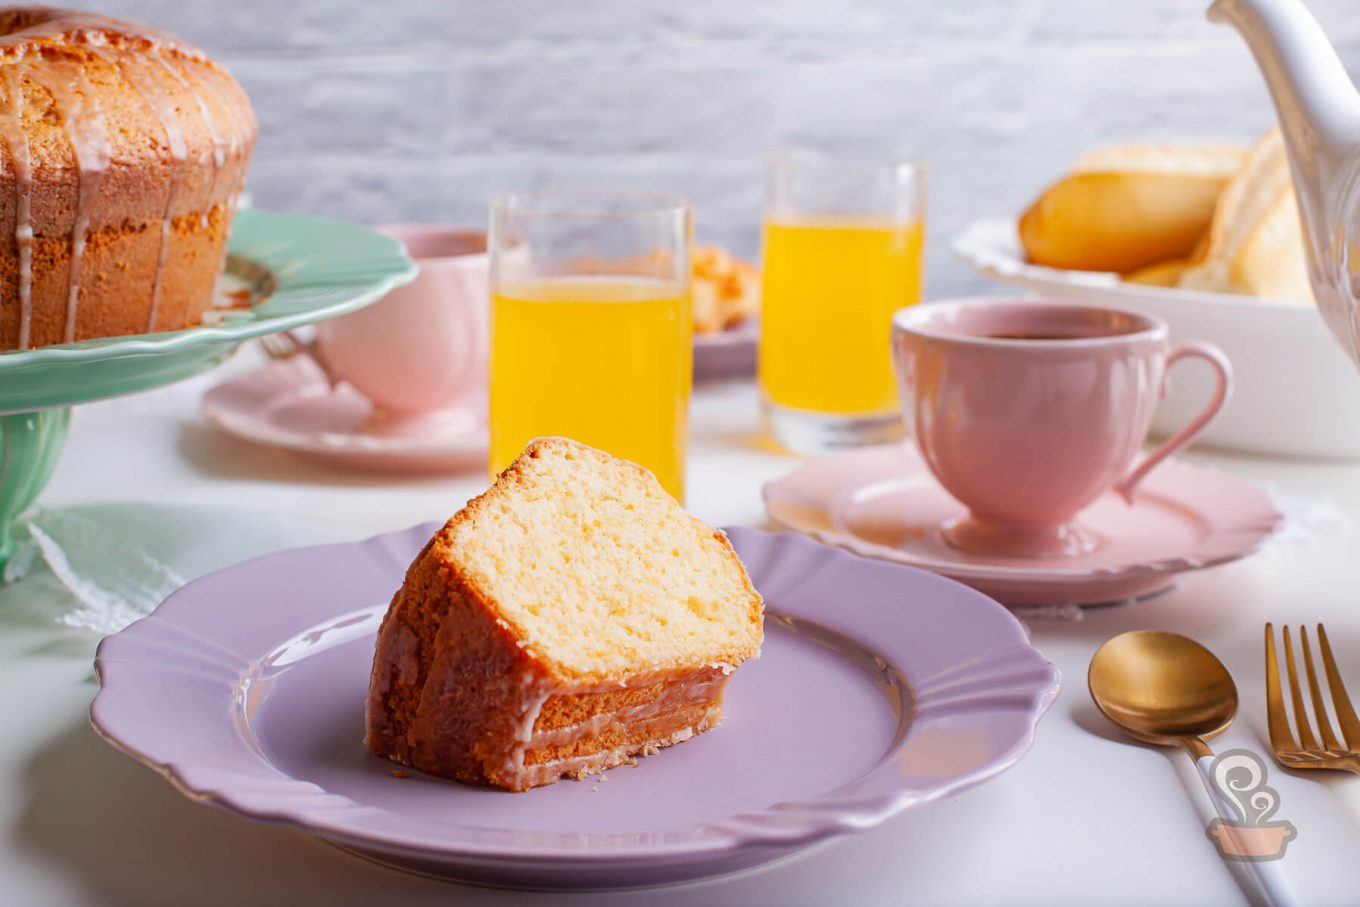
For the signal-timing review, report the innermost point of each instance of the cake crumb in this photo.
(398, 773)
(604, 778)
(237, 299)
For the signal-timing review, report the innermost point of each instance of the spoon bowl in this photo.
(1162, 688)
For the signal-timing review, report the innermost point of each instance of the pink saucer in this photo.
(289, 404)
(882, 502)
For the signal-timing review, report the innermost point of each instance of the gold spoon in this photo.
(1163, 688)
(1167, 689)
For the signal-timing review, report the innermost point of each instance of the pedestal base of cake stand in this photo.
(29, 446)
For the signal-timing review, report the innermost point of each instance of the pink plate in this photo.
(883, 502)
(289, 404)
(879, 688)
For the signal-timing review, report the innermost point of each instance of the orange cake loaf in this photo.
(570, 618)
(122, 152)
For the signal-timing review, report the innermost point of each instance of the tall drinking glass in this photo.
(842, 252)
(590, 326)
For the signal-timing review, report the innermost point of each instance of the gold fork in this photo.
(287, 344)
(1307, 751)
(283, 345)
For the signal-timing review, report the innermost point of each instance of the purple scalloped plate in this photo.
(727, 354)
(880, 687)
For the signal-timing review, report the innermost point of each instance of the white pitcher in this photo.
(1319, 112)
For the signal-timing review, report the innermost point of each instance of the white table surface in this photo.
(1084, 818)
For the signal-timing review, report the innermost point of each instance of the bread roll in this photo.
(1126, 208)
(1162, 274)
(1255, 244)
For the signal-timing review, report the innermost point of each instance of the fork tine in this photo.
(1306, 739)
(1281, 738)
(279, 346)
(1329, 741)
(1345, 715)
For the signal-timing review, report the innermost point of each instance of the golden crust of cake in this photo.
(471, 682)
(109, 129)
(446, 688)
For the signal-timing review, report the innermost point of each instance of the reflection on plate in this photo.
(290, 404)
(883, 502)
(879, 688)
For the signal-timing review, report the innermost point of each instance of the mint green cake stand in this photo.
(292, 269)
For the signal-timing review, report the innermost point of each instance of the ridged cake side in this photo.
(449, 684)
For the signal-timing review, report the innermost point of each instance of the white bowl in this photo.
(1296, 392)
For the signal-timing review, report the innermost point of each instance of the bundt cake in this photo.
(122, 152)
(567, 620)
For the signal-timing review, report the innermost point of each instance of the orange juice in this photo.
(829, 291)
(604, 361)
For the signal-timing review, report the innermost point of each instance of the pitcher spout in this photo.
(1317, 105)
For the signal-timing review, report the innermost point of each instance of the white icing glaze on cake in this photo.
(75, 98)
(682, 692)
(582, 767)
(16, 141)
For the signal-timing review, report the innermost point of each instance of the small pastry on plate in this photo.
(725, 291)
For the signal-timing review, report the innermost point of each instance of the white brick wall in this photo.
(424, 109)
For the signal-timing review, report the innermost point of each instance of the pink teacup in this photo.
(420, 352)
(1027, 411)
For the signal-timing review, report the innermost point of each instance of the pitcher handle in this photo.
(1128, 486)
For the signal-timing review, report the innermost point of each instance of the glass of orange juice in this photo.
(842, 251)
(590, 326)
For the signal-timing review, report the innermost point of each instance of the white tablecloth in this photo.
(1084, 818)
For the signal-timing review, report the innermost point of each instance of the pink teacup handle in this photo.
(1128, 486)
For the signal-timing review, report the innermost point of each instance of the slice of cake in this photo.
(570, 618)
